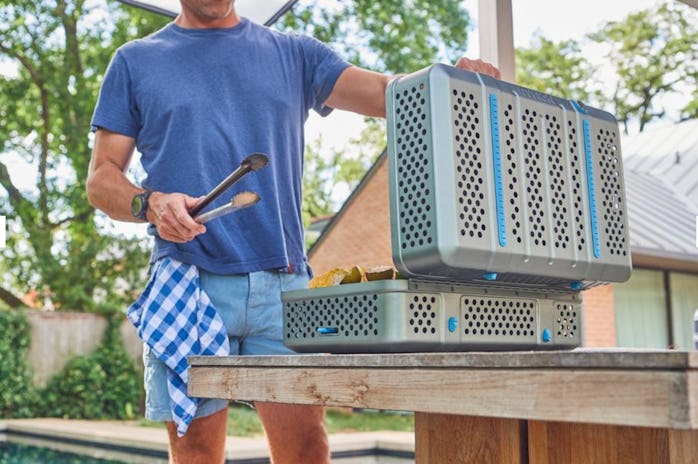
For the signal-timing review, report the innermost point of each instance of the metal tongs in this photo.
(240, 201)
(254, 162)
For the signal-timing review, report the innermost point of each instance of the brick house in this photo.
(654, 309)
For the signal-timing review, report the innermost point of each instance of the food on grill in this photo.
(355, 275)
(381, 273)
(244, 198)
(328, 279)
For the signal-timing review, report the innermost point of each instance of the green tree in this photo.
(654, 53)
(690, 111)
(556, 68)
(317, 197)
(60, 49)
(389, 35)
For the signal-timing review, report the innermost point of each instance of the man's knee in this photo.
(204, 442)
(295, 433)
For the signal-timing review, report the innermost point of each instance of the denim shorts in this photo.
(251, 309)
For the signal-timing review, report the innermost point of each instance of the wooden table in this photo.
(583, 406)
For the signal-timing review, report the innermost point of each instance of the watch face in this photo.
(137, 206)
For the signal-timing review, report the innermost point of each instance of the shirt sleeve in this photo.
(116, 109)
(322, 67)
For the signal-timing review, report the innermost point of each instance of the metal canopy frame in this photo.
(144, 4)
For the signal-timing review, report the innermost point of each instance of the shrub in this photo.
(103, 385)
(16, 392)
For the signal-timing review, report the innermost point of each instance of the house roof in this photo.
(661, 223)
(668, 152)
(662, 201)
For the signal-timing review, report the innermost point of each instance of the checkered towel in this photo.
(176, 319)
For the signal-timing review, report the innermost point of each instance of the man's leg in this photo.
(204, 442)
(296, 433)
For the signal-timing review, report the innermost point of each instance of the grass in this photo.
(243, 421)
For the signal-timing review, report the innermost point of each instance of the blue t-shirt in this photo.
(197, 102)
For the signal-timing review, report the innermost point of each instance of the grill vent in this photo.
(350, 316)
(470, 170)
(414, 169)
(511, 173)
(566, 322)
(612, 207)
(576, 178)
(498, 317)
(534, 178)
(424, 315)
(557, 175)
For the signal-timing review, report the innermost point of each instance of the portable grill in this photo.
(505, 203)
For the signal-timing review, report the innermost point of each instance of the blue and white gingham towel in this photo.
(176, 319)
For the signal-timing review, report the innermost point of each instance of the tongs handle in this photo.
(254, 162)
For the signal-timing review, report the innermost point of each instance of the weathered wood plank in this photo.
(445, 438)
(557, 442)
(623, 397)
(581, 358)
(683, 446)
(693, 397)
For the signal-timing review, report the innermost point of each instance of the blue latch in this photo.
(490, 276)
(546, 336)
(327, 330)
(452, 324)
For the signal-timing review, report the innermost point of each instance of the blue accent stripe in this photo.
(497, 162)
(592, 191)
(578, 107)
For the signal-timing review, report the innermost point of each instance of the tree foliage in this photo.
(388, 35)
(651, 54)
(654, 53)
(61, 49)
(556, 68)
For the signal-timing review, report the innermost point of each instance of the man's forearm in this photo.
(109, 190)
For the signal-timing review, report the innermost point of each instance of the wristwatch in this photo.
(139, 205)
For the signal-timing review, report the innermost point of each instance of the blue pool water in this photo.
(13, 453)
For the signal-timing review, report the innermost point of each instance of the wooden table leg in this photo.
(569, 443)
(453, 439)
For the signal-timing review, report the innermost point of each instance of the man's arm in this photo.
(363, 91)
(109, 190)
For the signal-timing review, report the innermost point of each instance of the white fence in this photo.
(57, 337)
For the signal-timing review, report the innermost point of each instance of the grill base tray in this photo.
(409, 316)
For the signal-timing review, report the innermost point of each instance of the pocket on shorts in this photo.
(291, 282)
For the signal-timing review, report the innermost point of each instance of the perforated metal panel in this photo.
(348, 316)
(612, 197)
(415, 186)
(401, 315)
(504, 318)
(424, 314)
(470, 165)
(494, 182)
(567, 323)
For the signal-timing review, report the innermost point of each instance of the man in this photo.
(196, 98)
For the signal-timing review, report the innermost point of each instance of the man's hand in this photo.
(169, 212)
(478, 66)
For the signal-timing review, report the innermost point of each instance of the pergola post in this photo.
(496, 29)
